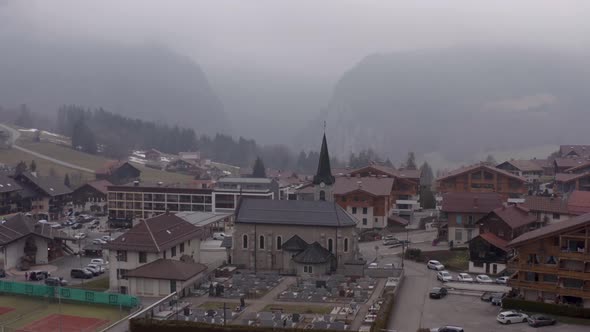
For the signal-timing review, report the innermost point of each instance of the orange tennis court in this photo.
(64, 323)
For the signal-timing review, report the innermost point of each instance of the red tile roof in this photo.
(156, 234)
(579, 202)
(551, 230)
(167, 269)
(524, 165)
(472, 168)
(497, 242)
(515, 216)
(566, 177)
(467, 202)
(546, 204)
(372, 185)
(569, 162)
(100, 185)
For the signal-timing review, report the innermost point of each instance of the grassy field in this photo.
(300, 309)
(30, 309)
(81, 159)
(98, 285)
(455, 260)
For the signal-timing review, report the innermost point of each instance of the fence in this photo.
(68, 294)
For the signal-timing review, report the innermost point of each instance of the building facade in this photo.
(229, 190)
(552, 263)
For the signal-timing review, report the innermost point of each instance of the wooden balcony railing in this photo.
(550, 269)
(550, 287)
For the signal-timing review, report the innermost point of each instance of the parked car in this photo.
(2, 273)
(77, 226)
(106, 238)
(502, 280)
(497, 299)
(388, 242)
(99, 241)
(80, 273)
(390, 266)
(435, 265)
(444, 276)
(38, 275)
(509, 317)
(465, 277)
(390, 237)
(373, 265)
(448, 328)
(95, 271)
(80, 236)
(98, 261)
(541, 320)
(438, 293)
(55, 281)
(487, 296)
(483, 279)
(100, 268)
(219, 236)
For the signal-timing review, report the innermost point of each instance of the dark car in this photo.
(438, 293)
(38, 275)
(77, 226)
(497, 299)
(540, 320)
(488, 296)
(80, 274)
(55, 281)
(2, 273)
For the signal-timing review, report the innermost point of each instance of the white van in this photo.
(219, 236)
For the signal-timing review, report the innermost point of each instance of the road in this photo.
(15, 134)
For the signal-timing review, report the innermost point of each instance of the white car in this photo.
(373, 266)
(80, 236)
(219, 236)
(100, 268)
(435, 265)
(98, 261)
(509, 317)
(106, 238)
(465, 277)
(444, 276)
(99, 241)
(484, 279)
(502, 280)
(95, 270)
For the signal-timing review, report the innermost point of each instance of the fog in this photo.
(274, 65)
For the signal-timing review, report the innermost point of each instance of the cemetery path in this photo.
(364, 309)
(254, 306)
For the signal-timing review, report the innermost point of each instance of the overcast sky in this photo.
(331, 35)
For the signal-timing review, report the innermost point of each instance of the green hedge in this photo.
(380, 323)
(151, 325)
(546, 308)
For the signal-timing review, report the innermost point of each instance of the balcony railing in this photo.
(550, 287)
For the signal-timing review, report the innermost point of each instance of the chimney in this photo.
(136, 183)
(160, 183)
(360, 184)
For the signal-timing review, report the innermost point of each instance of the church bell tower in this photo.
(323, 180)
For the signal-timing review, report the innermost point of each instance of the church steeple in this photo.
(324, 173)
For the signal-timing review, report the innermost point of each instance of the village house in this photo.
(482, 178)
(548, 209)
(293, 237)
(574, 151)
(552, 263)
(565, 183)
(488, 251)
(153, 155)
(527, 169)
(43, 196)
(93, 193)
(156, 257)
(563, 165)
(118, 172)
(462, 212)
(189, 167)
(578, 203)
(368, 199)
(581, 168)
(25, 242)
(8, 195)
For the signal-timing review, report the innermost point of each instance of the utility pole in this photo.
(224, 314)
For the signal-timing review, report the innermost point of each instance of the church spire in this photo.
(324, 173)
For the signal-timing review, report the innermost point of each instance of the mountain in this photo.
(458, 102)
(143, 81)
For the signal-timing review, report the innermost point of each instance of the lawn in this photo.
(300, 309)
(455, 260)
(86, 160)
(30, 309)
(98, 285)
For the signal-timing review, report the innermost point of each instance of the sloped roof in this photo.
(543, 163)
(546, 204)
(569, 162)
(567, 177)
(524, 165)
(467, 202)
(399, 220)
(295, 243)
(167, 269)
(576, 169)
(51, 186)
(472, 168)
(551, 229)
(494, 240)
(287, 212)
(579, 202)
(20, 225)
(113, 166)
(99, 185)
(313, 254)
(410, 174)
(7, 184)
(373, 185)
(580, 150)
(156, 234)
(515, 216)
(324, 172)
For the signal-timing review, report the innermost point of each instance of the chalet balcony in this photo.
(550, 287)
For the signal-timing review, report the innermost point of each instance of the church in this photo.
(298, 237)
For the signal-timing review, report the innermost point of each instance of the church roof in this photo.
(295, 243)
(324, 173)
(313, 254)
